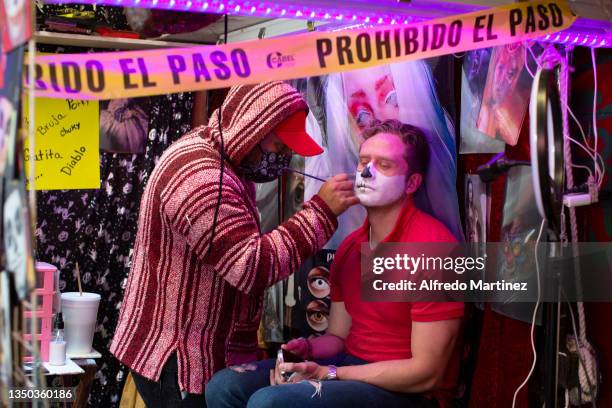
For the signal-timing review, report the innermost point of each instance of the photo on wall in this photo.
(520, 228)
(124, 125)
(10, 91)
(506, 94)
(15, 23)
(495, 88)
(17, 238)
(3, 59)
(8, 124)
(477, 203)
(473, 79)
(310, 316)
(6, 352)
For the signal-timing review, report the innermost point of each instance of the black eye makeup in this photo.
(391, 98)
(364, 117)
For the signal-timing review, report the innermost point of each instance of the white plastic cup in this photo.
(80, 315)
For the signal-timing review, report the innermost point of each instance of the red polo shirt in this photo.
(381, 331)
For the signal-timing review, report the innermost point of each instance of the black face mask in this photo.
(271, 167)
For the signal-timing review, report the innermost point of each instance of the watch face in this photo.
(331, 372)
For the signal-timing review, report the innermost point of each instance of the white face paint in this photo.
(379, 190)
(15, 240)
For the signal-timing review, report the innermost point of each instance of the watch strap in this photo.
(332, 373)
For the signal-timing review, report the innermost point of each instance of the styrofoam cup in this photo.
(80, 314)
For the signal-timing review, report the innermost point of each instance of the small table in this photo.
(84, 366)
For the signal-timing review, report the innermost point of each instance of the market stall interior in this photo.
(512, 101)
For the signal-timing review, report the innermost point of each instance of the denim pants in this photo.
(166, 393)
(248, 385)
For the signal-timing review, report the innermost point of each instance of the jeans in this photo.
(248, 385)
(165, 393)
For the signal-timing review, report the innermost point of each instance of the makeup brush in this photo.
(350, 176)
(304, 174)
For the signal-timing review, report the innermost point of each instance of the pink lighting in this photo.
(594, 33)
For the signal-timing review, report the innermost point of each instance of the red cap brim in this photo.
(301, 143)
(292, 132)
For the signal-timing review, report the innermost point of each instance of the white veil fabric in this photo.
(340, 155)
(418, 105)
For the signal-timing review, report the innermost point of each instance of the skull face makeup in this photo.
(374, 189)
(15, 240)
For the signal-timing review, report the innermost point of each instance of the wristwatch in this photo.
(332, 373)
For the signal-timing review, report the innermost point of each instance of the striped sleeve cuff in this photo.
(321, 207)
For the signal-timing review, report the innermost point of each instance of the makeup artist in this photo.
(200, 264)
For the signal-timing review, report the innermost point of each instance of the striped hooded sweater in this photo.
(207, 307)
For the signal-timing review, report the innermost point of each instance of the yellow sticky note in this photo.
(67, 145)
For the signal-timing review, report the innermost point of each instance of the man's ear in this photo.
(413, 182)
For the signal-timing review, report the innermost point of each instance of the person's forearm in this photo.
(326, 346)
(409, 375)
(252, 262)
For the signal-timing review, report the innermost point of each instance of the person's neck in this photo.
(383, 219)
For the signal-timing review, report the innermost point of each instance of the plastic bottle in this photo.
(57, 347)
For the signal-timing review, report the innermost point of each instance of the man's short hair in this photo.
(417, 150)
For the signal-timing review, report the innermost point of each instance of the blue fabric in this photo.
(249, 386)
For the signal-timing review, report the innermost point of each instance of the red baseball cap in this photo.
(292, 131)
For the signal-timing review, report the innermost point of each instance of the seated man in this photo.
(375, 354)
